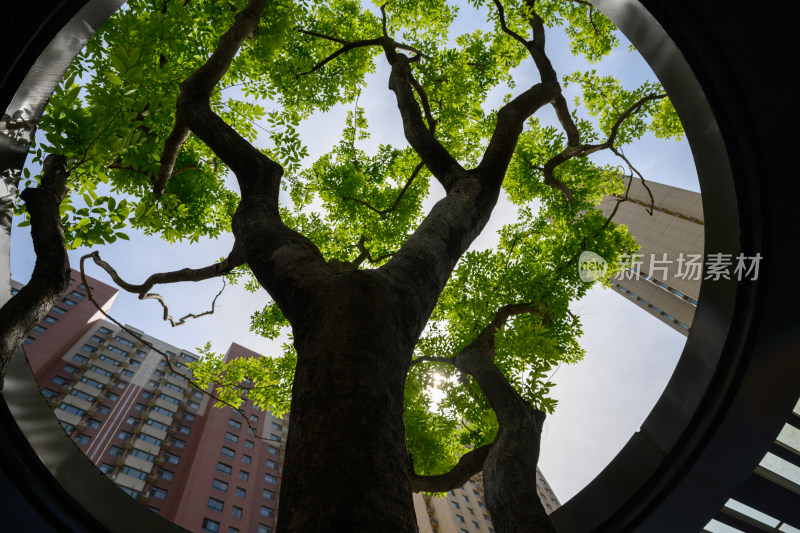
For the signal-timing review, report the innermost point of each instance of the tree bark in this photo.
(354, 348)
(50, 276)
(509, 471)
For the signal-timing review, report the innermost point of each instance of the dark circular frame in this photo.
(736, 381)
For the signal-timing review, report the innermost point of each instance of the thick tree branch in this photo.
(468, 465)
(510, 120)
(285, 262)
(438, 160)
(50, 277)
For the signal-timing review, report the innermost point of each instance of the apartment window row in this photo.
(124, 341)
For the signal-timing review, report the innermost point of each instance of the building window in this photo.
(234, 423)
(136, 452)
(219, 485)
(268, 494)
(30, 339)
(138, 407)
(254, 419)
(267, 511)
(58, 380)
(93, 424)
(277, 426)
(83, 439)
(149, 438)
(101, 371)
(134, 472)
(227, 452)
(115, 450)
(50, 320)
(475, 525)
(232, 529)
(78, 357)
(464, 496)
(174, 387)
(68, 302)
(86, 347)
(91, 382)
(127, 373)
(124, 435)
(166, 412)
(106, 468)
(455, 505)
(240, 492)
(156, 424)
(270, 479)
(67, 426)
(189, 417)
(130, 492)
(47, 393)
(214, 504)
(236, 512)
(170, 399)
(70, 369)
(77, 295)
(156, 492)
(174, 459)
(231, 437)
(243, 475)
(274, 451)
(166, 474)
(71, 409)
(273, 436)
(264, 529)
(59, 310)
(210, 525)
(248, 444)
(109, 360)
(102, 409)
(179, 443)
(183, 429)
(225, 469)
(39, 329)
(459, 518)
(133, 421)
(246, 459)
(126, 342)
(194, 405)
(271, 463)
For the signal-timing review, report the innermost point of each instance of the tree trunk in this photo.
(346, 466)
(509, 472)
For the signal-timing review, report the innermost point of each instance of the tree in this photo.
(382, 298)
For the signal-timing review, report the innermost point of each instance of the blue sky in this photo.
(602, 401)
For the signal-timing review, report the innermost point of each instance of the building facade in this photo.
(463, 510)
(665, 275)
(133, 413)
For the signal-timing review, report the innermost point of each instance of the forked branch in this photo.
(234, 259)
(468, 465)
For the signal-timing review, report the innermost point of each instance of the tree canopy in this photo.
(133, 160)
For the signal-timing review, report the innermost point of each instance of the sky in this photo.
(603, 400)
